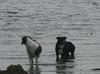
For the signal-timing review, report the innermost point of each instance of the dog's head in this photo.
(60, 44)
(24, 39)
(61, 39)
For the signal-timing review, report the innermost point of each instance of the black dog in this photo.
(64, 48)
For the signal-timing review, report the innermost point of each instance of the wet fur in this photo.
(67, 49)
(33, 49)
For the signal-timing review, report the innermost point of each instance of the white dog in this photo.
(33, 49)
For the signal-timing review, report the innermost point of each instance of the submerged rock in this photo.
(14, 69)
(96, 69)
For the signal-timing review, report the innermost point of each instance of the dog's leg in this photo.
(57, 56)
(31, 65)
(56, 50)
(30, 70)
(31, 62)
(72, 55)
(36, 62)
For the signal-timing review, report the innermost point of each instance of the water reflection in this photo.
(34, 70)
(65, 66)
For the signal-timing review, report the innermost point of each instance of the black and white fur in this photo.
(33, 49)
(64, 48)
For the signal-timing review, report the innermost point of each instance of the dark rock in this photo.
(3, 72)
(14, 69)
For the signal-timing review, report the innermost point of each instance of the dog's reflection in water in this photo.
(63, 66)
(34, 70)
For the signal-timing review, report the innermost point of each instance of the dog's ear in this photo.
(24, 39)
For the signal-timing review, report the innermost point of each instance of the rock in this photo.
(14, 69)
(3, 72)
(96, 69)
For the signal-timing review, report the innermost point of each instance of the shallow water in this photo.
(45, 20)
